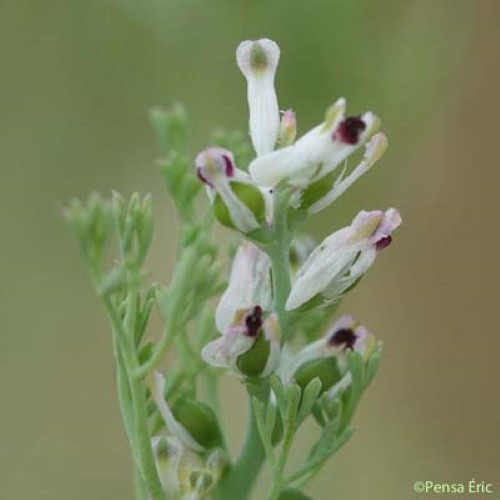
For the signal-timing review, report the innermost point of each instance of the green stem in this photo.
(279, 253)
(134, 405)
(241, 476)
(139, 486)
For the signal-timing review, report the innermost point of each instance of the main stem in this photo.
(279, 253)
(240, 478)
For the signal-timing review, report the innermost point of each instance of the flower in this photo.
(325, 358)
(185, 474)
(258, 61)
(237, 202)
(191, 422)
(250, 347)
(324, 192)
(249, 284)
(342, 259)
(317, 153)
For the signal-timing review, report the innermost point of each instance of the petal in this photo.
(157, 388)
(374, 150)
(272, 333)
(328, 262)
(258, 61)
(249, 285)
(223, 352)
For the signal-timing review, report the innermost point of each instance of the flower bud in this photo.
(193, 423)
(338, 263)
(250, 346)
(237, 202)
(199, 420)
(258, 61)
(288, 129)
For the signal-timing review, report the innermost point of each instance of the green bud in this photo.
(199, 420)
(253, 362)
(326, 369)
(171, 127)
(249, 195)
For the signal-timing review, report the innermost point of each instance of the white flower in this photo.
(375, 148)
(216, 169)
(183, 473)
(249, 284)
(342, 258)
(317, 153)
(346, 333)
(247, 330)
(258, 61)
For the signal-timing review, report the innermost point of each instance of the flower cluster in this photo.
(312, 171)
(273, 327)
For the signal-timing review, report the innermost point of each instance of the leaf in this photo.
(373, 363)
(309, 397)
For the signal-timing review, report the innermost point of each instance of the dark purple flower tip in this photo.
(229, 165)
(203, 178)
(343, 337)
(253, 321)
(349, 130)
(383, 242)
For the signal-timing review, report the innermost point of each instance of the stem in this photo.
(133, 405)
(240, 478)
(279, 253)
(139, 486)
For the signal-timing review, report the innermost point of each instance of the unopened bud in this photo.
(288, 129)
(199, 420)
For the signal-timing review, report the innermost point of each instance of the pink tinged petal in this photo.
(347, 334)
(214, 164)
(157, 388)
(258, 61)
(288, 128)
(215, 167)
(390, 222)
(342, 258)
(249, 284)
(327, 263)
(223, 352)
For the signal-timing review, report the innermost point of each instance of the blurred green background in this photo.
(77, 79)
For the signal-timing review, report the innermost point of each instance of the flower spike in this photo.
(258, 61)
